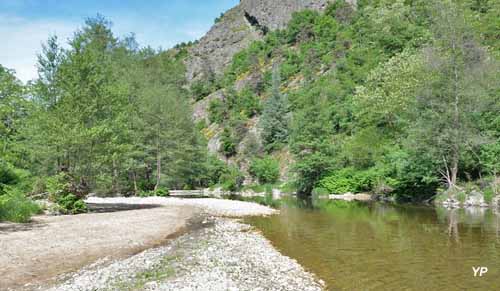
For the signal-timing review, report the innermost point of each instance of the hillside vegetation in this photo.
(395, 97)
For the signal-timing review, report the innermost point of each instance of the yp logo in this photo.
(479, 271)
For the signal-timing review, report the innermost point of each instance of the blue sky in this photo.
(25, 24)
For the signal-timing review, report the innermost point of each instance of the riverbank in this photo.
(37, 252)
(184, 243)
(224, 254)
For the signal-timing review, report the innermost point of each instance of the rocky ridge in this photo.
(238, 27)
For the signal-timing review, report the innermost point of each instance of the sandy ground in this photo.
(36, 253)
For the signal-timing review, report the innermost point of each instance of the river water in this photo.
(384, 247)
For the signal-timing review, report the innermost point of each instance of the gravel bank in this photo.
(223, 255)
(52, 245)
(215, 207)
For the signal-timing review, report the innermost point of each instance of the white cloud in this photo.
(22, 39)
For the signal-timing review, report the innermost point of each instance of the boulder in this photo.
(351, 197)
(475, 198)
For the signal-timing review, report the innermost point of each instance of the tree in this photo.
(461, 88)
(12, 107)
(274, 120)
(311, 142)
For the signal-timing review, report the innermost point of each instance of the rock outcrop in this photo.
(216, 49)
(240, 26)
(272, 15)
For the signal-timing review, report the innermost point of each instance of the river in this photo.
(355, 246)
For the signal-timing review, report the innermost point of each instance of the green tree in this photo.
(462, 87)
(275, 121)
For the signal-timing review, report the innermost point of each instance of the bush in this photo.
(214, 168)
(228, 143)
(63, 191)
(348, 180)
(15, 207)
(216, 111)
(488, 195)
(201, 89)
(266, 170)
(232, 179)
(8, 176)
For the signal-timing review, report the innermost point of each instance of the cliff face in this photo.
(245, 23)
(235, 31)
(276, 14)
(215, 50)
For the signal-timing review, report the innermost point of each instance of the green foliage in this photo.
(232, 179)
(8, 176)
(71, 204)
(348, 180)
(488, 194)
(214, 169)
(372, 89)
(201, 89)
(216, 111)
(218, 19)
(228, 143)
(275, 119)
(63, 191)
(266, 170)
(15, 207)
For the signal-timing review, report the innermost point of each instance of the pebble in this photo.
(222, 256)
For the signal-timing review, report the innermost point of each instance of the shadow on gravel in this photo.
(15, 227)
(107, 208)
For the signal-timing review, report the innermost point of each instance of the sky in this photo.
(26, 24)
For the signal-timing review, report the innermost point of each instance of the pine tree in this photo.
(275, 121)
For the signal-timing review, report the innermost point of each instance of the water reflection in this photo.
(356, 246)
(453, 224)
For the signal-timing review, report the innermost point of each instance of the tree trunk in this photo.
(158, 162)
(115, 177)
(455, 147)
(134, 177)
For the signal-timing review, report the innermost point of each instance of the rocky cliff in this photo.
(247, 22)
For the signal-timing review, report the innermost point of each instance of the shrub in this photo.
(71, 204)
(488, 195)
(247, 104)
(266, 170)
(228, 143)
(201, 89)
(8, 176)
(348, 180)
(216, 111)
(214, 170)
(160, 192)
(15, 207)
(63, 191)
(461, 196)
(232, 179)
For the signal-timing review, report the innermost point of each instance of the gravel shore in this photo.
(224, 254)
(215, 207)
(130, 250)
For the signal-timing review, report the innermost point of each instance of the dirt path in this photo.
(36, 253)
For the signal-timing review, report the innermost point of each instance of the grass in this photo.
(488, 195)
(159, 273)
(15, 207)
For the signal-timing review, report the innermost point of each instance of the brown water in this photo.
(382, 247)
